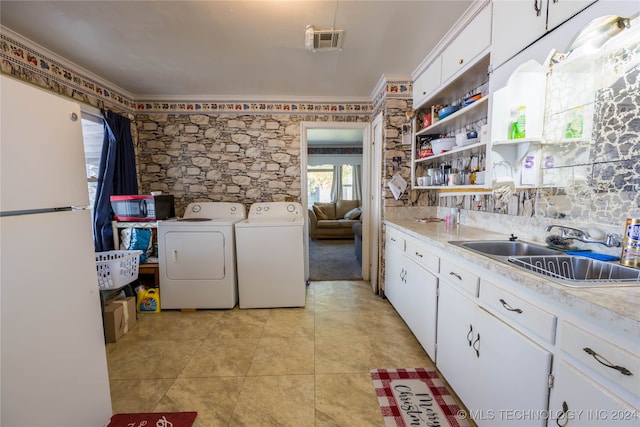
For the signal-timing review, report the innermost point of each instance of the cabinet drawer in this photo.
(461, 277)
(422, 256)
(395, 240)
(579, 343)
(531, 317)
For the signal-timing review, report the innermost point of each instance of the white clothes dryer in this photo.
(270, 256)
(196, 256)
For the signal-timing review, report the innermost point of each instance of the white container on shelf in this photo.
(442, 144)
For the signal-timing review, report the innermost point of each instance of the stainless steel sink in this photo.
(504, 248)
(578, 271)
(569, 270)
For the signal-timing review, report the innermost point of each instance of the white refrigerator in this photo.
(53, 367)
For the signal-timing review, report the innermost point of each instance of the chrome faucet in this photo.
(611, 239)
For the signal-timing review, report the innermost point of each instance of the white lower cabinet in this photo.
(412, 290)
(577, 400)
(394, 270)
(455, 340)
(419, 305)
(500, 374)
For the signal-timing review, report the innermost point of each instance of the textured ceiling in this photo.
(242, 49)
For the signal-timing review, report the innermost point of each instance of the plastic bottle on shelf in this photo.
(520, 127)
(575, 125)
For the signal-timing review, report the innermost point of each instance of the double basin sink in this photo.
(569, 270)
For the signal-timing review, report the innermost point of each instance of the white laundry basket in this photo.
(117, 268)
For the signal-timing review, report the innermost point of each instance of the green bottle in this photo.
(575, 126)
(520, 130)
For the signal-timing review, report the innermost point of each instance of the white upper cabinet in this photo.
(468, 45)
(517, 24)
(428, 82)
(561, 10)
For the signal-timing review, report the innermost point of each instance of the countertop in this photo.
(618, 307)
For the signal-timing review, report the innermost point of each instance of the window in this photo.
(93, 135)
(320, 181)
(347, 182)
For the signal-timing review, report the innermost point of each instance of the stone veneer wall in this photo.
(223, 157)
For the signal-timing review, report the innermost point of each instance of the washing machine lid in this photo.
(215, 211)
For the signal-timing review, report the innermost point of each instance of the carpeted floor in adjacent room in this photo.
(333, 259)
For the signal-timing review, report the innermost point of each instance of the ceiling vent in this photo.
(323, 40)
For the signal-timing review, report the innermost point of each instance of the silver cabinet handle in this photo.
(456, 275)
(605, 362)
(476, 346)
(563, 415)
(537, 8)
(509, 308)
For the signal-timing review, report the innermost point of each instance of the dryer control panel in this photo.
(266, 210)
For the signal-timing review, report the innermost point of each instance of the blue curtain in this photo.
(116, 176)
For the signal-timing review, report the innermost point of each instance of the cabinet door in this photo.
(428, 82)
(394, 270)
(455, 337)
(514, 368)
(561, 10)
(576, 400)
(474, 39)
(421, 309)
(515, 25)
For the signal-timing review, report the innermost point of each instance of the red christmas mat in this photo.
(416, 397)
(158, 419)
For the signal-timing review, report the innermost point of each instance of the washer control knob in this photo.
(266, 208)
(196, 208)
(291, 208)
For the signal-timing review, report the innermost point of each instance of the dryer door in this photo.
(194, 255)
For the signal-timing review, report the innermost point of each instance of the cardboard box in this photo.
(119, 318)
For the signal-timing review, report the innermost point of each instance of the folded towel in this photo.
(601, 257)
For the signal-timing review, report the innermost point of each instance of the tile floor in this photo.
(266, 367)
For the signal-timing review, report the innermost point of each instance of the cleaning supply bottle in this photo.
(513, 125)
(148, 301)
(575, 125)
(521, 123)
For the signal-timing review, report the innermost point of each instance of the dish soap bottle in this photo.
(520, 128)
(575, 125)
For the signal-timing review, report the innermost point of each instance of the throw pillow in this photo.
(320, 212)
(353, 214)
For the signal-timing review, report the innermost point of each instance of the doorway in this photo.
(312, 135)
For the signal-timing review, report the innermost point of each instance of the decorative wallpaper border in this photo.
(393, 89)
(30, 57)
(334, 150)
(236, 107)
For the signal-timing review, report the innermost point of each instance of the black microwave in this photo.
(143, 208)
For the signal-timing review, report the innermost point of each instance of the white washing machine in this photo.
(270, 256)
(196, 256)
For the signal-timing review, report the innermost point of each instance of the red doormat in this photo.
(416, 397)
(158, 419)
